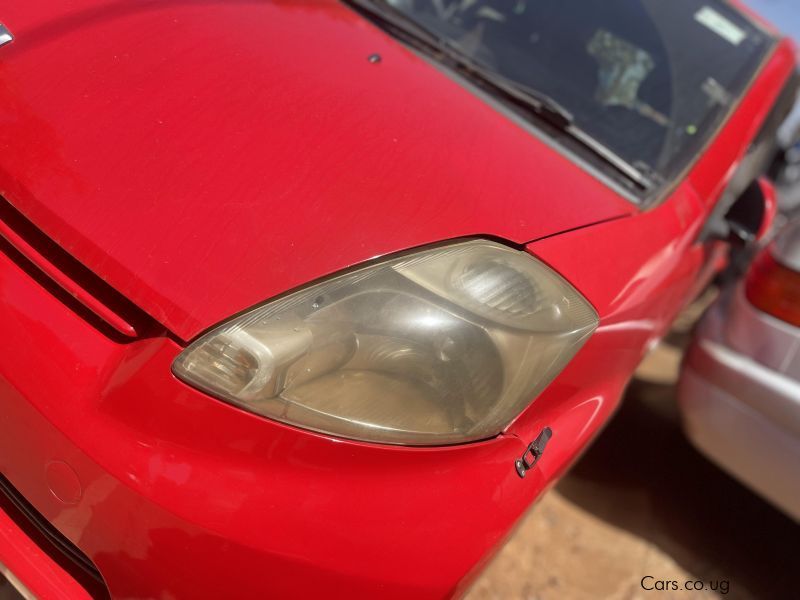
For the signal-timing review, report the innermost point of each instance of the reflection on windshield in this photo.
(649, 79)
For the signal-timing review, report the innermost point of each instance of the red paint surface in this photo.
(206, 156)
(63, 482)
(191, 152)
(32, 567)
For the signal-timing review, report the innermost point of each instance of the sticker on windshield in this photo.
(720, 25)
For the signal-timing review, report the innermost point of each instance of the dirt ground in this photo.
(642, 502)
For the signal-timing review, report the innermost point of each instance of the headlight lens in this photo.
(446, 345)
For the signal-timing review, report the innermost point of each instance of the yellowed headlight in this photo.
(444, 346)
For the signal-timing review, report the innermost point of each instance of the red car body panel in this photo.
(265, 153)
(189, 146)
(27, 562)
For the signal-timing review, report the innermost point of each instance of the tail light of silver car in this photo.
(441, 346)
(773, 281)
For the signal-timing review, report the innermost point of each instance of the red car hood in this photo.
(202, 157)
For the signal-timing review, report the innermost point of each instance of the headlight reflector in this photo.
(442, 346)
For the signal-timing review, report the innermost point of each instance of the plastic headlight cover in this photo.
(442, 346)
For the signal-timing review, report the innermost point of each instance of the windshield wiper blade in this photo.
(538, 102)
(555, 114)
(527, 98)
(632, 171)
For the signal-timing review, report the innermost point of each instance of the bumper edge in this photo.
(732, 431)
(43, 577)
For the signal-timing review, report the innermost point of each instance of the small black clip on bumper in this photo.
(533, 452)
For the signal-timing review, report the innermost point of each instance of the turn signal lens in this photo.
(774, 289)
(443, 346)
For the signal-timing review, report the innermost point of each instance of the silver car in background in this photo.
(739, 391)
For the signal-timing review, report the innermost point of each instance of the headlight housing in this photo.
(442, 346)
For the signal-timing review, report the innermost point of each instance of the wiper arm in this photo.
(532, 100)
(537, 102)
(559, 117)
(635, 172)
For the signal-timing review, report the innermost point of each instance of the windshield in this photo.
(649, 79)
